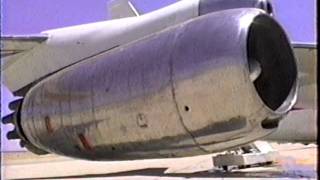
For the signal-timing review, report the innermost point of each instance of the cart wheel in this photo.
(225, 168)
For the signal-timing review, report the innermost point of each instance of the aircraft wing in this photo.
(121, 9)
(12, 47)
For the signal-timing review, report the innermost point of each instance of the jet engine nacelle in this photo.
(214, 82)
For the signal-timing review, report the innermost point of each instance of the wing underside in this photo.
(12, 47)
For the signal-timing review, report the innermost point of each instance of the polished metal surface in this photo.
(178, 92)
(209, 6)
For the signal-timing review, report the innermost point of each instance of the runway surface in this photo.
(294, 161)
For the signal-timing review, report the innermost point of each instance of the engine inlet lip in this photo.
(277, 86)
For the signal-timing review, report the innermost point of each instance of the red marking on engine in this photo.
(85, 143)
(297, 109)
(48, 124)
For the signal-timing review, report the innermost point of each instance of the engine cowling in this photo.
(214, 82)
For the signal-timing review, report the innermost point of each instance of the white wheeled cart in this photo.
(258, 153)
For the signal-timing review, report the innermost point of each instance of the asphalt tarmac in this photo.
(293, 161)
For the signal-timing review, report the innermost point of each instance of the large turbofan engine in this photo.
(214, 82)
